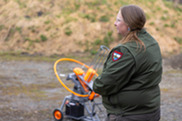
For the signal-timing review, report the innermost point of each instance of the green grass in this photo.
(166, 25)
(164, 18)
(164, 89)
(30, 40)
(166, 11)
(152, 1)
(170, 5)
(48, 28)
(33, 29)
(173, 72)
(47, 22)
(21, 4)
(19, 29)
(74, 11)
(68, 8)
(98, 42)
(151, 23)
(93, 52)
(93, 4)
(77, 6)
(105, 41)
(90, 17)
(157, 29)
(58, 16)
(43, 38)
(159, 9)
(1, 27)
(104, 18)
(173, 25)
(108, 38)
(178, 39)
(69, 19)
(122, 2)
(23, 56)
(147, 16)
(68, 31)
(34, 91)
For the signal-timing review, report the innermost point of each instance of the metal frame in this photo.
(90, 108)
(92, 105)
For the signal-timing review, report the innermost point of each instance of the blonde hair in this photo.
(135, 18)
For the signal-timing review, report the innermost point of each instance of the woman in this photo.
(129, 83)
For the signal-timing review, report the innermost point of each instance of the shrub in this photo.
(27, 39)
(173, 25)
(104, 18)
(152, 1)
(158, 8)
(106, 41)
(69, 19)
(178, 39)
(157, 29)
(147, 16)
(165, 11)
(164, 18)
(1, 27)
(32, 29)
(77, 6)
(67, 31)
(166, 25)
(151, 23)
(168, 4)
(19, 29)
(48, 28)
(93, 52)
(47, 22)
(31, 43)
(97, 42)
(110, 34)
(87, 45)
(58, 16)
(90, 17)
(93, 4)
(21, 4)
(37, 40)
(43, 38)
(104, 1)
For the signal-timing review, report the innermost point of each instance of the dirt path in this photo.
(29, 91)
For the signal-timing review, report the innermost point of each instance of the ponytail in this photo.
(135, 18)
(132, 36)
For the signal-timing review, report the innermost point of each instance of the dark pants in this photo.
(155, 116)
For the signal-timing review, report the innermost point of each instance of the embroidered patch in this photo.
(116, 55)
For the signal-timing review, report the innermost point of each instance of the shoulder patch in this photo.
(116, 55)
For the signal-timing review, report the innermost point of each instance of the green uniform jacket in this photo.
(129, 83)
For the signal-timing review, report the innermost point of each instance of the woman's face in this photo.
(121, 26)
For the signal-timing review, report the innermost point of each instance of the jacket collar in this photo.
(142, 31)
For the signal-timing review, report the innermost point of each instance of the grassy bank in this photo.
(18, 56)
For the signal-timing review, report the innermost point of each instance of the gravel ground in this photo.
(171, 94)
(29, 91)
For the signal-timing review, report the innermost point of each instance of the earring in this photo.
(128, 28)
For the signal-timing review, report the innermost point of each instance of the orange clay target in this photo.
(72, 60)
